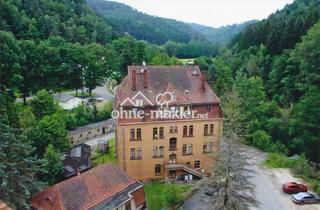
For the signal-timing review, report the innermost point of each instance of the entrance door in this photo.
(103, 130)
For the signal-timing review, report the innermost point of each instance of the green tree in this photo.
(43, 104)
(305, 129)
(102, 62)
(50, 129)
(53, 166)
(11, 57)
(18, 168)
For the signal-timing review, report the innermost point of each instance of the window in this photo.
(131, 134)
(210, 149)
(188, 164)
(98, 129)
(205, 130)
(132, 154)
(173, 129)
(211, 128)
(173, 144)
(161, 154)
(189, 151)
(209, 108)
(81, 135)
(197, 164)
(205, 148)
(157, 169)
(173, 158)
(155, 151)
(191, 130)
(139, 153)
(184, 149)
(185, 130)
(161, 131)
(155, 133)
(139, 133)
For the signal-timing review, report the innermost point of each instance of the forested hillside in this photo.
(221, 35)
(283, 29)
(143, 26)
(273, 67)
(177, 38)
(57, 44)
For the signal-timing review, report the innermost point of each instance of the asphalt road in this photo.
(267, 193)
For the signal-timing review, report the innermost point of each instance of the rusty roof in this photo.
(183, 81)
(4, 206)
(86, 190)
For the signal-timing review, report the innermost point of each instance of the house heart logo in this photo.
(164, 98)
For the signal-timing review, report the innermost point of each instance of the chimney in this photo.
(145, 79)
(133, 80)
(203, 83)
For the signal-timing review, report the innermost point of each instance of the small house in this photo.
(103, 187)
(67, 101)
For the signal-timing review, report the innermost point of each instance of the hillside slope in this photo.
(221, 35)
(143, 26)
(281, 30)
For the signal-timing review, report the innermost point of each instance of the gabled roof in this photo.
(90, 189)
(63, 97)
(183, 81)
(91, 126)
(77, 160)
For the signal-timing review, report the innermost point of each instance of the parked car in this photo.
(293, 187)
(305, 198)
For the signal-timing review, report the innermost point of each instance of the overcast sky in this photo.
(209, 12)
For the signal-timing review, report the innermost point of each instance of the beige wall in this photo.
(90, 133)
(144, 169)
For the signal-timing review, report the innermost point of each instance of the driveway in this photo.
(268, 187)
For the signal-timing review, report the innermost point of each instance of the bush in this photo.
(261, 140)
(276, 160)
(305, 169)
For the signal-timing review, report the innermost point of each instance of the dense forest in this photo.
(177, 38)
(272, 67)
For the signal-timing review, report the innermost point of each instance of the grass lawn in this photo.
(99, 159)
(185, 61)
(157, 192)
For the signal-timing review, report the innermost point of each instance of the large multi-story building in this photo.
(169, 120)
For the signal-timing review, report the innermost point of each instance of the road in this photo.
(100, 91)
(268, 187)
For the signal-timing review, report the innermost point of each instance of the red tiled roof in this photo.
(183, 81)
(139, 197)
(85, 190)
(3, 206)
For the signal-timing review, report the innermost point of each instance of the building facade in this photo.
(180, 124)
(89, 131)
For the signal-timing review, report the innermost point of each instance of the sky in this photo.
(209, 12)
